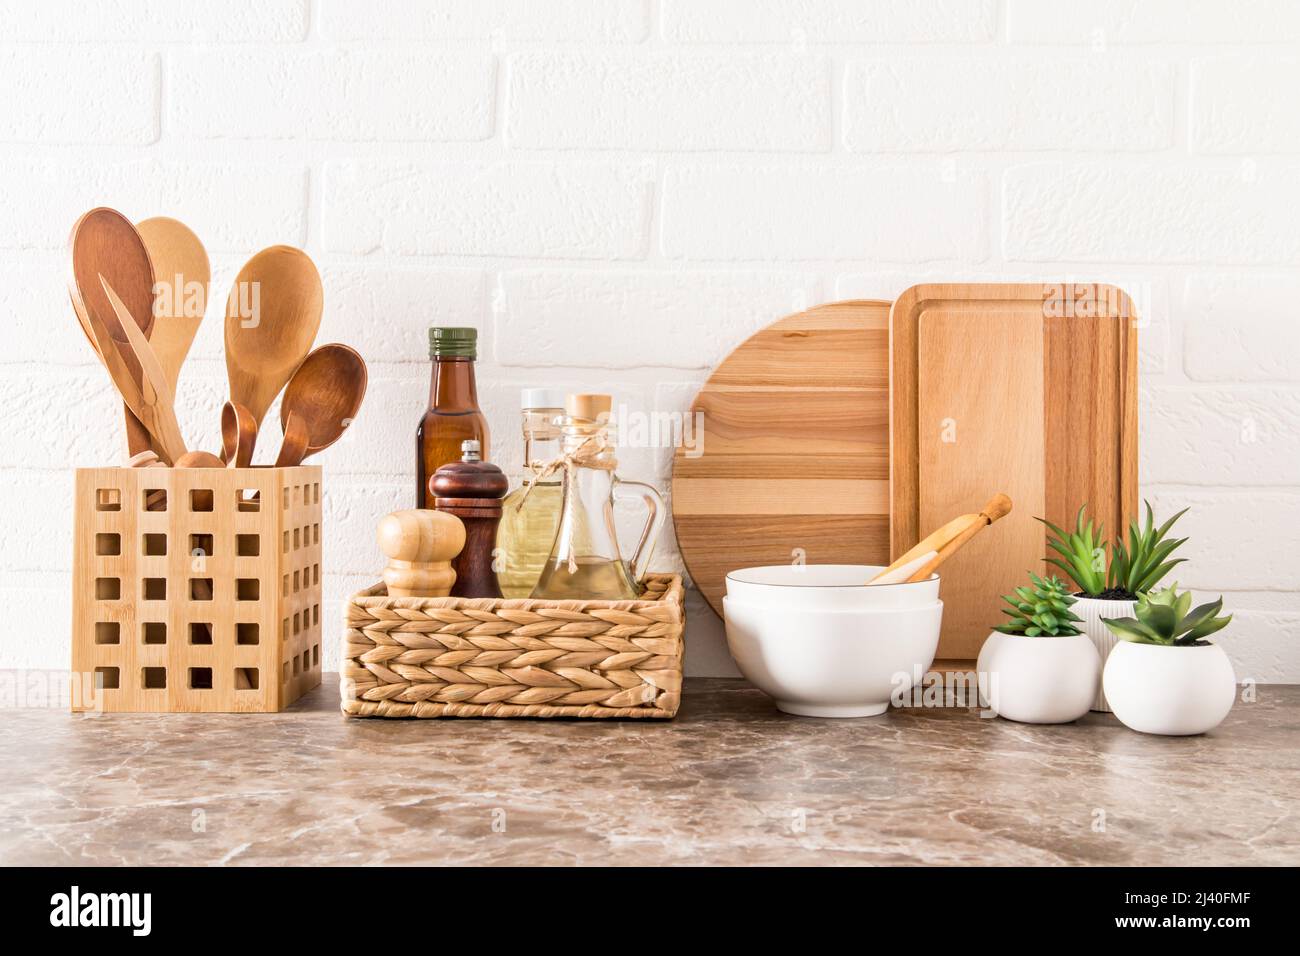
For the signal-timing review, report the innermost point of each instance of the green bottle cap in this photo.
(453, 342)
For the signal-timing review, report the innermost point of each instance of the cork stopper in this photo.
(589, 406)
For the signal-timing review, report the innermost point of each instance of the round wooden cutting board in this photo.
(794, 462)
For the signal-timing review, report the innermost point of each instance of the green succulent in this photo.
(1132, 569)
(1082, 553)
(1040, 611)
(1165, 618)
(1144, 563)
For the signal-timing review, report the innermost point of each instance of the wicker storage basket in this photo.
(197, 589)
(462, 657)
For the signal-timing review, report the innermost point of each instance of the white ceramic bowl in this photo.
(827, 587)
(832, 663)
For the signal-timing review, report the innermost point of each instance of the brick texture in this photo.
(615, 193)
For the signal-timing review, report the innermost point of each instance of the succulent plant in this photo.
(1165, 617)
(1040, 611)
(1082, 553)
(1131, 570)
(1144, 563)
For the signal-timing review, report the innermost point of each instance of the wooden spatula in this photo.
(919, 563)
(150, 398)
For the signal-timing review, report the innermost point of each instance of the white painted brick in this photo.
(385, 313)
(828, 21)
(1022, 104)
(59, 418)
(1261, 644)
(1220, 436)
(155, 21)
(1241, 327)
(235, 206)
(337, 94)
(36, 531)
(36, 607)
(631, 319)
(1099, 23)
(581, 211)
(564, 21)
(1151, 213)
(900, 214)
(42, 327)
(1245, 104)
(1239, 540)
(74, 95)
(668, 101)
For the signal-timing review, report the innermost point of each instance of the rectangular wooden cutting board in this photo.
(1029, 389)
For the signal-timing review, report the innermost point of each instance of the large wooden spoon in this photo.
(103, 242)
(272, 316)
(325, 394)
(182, 272)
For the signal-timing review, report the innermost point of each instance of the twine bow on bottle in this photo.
(586, 455)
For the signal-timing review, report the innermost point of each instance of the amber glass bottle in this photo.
(453, 415)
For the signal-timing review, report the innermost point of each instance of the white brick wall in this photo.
(616, 192)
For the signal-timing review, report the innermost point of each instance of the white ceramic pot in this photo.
(827, 587)
(1169, 690)
(1091, 611)
(1039, 680)
(831, 663)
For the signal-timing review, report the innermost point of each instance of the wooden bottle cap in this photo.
(589, 406)
(420, 545)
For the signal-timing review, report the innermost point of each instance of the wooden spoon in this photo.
(238, 435)
(181, 268)
(199, 459)
(293, 449)
(326, 392)
(103, 242)
(272, 316)
(919, 563)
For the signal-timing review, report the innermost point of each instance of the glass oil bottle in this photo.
(585, 562)
(531, 513)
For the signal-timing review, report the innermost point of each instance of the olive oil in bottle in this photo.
(528, 524)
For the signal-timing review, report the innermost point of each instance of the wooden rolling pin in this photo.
(420, 546)
(919, 563)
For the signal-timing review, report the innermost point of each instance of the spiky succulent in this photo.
(1165, 618)
(1042, 610)
(1130, 570)
(1144, 563)
(1082, 553)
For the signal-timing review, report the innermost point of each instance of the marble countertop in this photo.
(731, 781)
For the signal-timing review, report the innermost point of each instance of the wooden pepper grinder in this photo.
(420, 546)
(471, 489)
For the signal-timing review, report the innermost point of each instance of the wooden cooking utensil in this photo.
(199, 459)
(326, 392)
(922, 560)
(795, 449)
(103, 242)
(150, 398)
(180, 265)
(293, 447)
(1031, 388)
(282, 286)
(238, 435)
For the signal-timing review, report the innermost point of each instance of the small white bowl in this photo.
(827, 587)
(832, 663)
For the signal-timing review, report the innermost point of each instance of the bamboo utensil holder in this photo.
(197, 589)
(492, 657)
